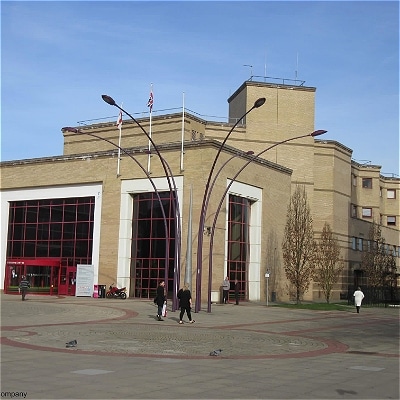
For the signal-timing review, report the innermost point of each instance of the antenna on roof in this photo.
(251, 70)
(265, 67)
(297, 67)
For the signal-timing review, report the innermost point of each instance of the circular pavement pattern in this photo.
(164, 340)
(110, 330)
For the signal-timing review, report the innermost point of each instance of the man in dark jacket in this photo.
(160, 299)
(23, 287)
(237, 292)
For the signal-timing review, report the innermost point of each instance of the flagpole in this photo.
(119, 124)
(150, 105)
(183, 128)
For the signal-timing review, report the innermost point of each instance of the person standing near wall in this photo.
(237, 292)
(24, 285)
(358, 298)
(226, 285)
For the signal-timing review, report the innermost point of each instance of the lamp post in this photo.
(207, 201)
(258, 103)
(109, 100)
(74, 130)
(267, 278)
(210, 266)
(178, 237)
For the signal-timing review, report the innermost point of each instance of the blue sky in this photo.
(59, 57)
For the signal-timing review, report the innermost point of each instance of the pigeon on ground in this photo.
(216, 352)
(72, 343)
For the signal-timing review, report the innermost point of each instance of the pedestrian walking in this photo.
(226, 285)
(185, 302)
(358, 298)
(237, 292)
(160, 299)
(24, 285)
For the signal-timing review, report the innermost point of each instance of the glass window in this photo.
(353, 211)
(359, 244)
(354, 178)
(391, 220)
(238, 241)
(50, 228)
(367, 183)
(367, 212)
(151, 234)
(353, 243)
(391, 193)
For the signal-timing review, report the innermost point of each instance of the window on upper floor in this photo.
(391, 193)
(367, 212)
(391, 220)
(380, 191)
(354, 179)
(353, 211)
(367, 183)
(354, 243)
(359, 244)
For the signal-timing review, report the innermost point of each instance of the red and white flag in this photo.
(151, 100)
(119, 120)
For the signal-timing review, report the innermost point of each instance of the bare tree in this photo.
(378, 262)
(298, 245)
(328, 264)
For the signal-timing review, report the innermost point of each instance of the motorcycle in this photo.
(114, 292)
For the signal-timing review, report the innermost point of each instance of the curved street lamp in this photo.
(258, 103)
(74, 130)
(210, 266)
(178, 241)
(109, 100)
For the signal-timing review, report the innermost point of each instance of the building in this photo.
(99, 206)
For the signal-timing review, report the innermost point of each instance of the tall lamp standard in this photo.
(258, 103)
(109, 100)
(74, 130)
(210, 265)
(178, 241)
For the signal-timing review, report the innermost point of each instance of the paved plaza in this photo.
(123, 352)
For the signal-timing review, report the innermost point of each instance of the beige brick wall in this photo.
(324, 167)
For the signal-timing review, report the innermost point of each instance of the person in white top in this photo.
(358, 298)
(226, 285)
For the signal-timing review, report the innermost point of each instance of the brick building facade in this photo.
(347, 195)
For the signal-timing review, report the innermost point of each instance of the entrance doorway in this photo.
(42, 274)
(67, 281)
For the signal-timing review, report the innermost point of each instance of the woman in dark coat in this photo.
(185, 301)
(160, 299)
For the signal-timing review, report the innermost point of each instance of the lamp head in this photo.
(250, 153)
(319, 132)
(259, 102)
(108, 99)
